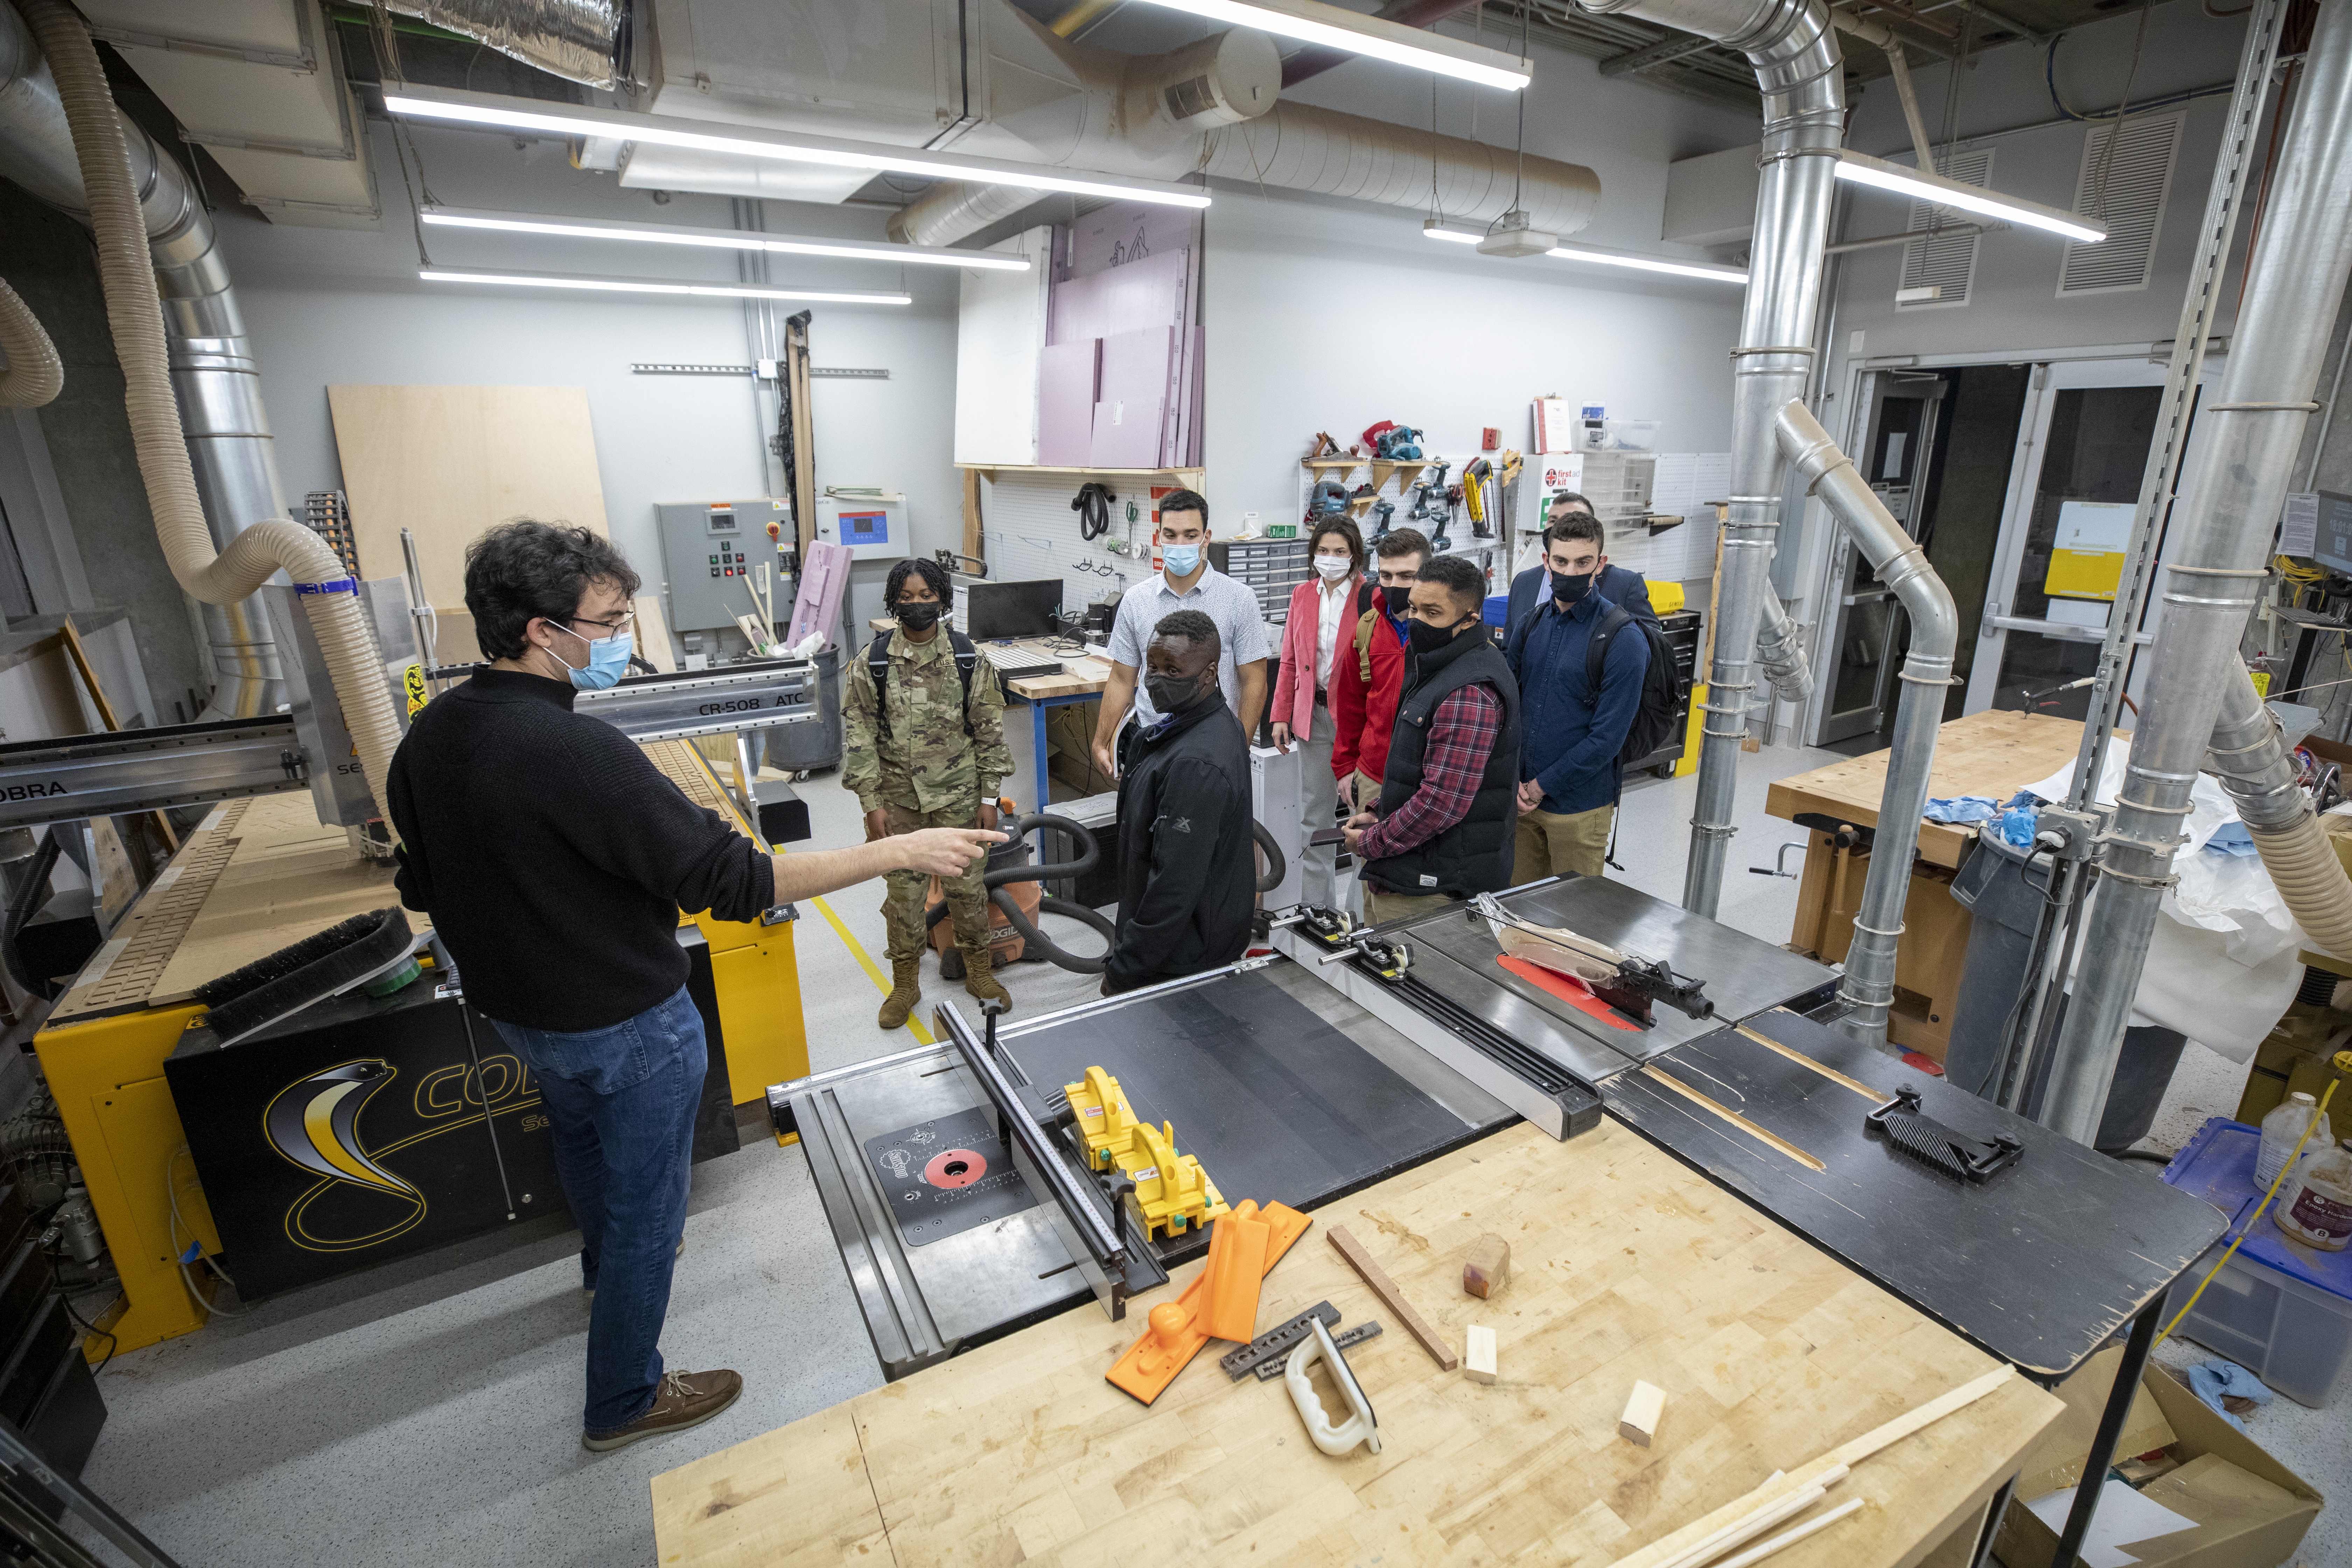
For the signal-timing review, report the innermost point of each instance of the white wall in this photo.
(1331, 315)
(328, 308)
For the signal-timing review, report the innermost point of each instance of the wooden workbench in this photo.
(1082, 675)
(1625, 1265)
(1992, 753)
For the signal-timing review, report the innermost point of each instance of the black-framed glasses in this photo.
(610, 628)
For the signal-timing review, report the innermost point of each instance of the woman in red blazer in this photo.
(1314, 633)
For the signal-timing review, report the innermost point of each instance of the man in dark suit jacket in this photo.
(1626, 589)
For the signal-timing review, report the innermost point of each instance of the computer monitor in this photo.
(1026, 609)
(2331, 534)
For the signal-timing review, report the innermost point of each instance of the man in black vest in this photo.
(1187, 873)
(1442, 829)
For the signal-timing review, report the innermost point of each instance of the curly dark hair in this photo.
(1458, 577)
(1189, 626)
(524, 570)
(930, 572)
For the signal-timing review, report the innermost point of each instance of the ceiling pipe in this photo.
(1868, 987)
(2253, 427)
(1800, 74)
(579, 40)
(215, 381)
(1890, 45)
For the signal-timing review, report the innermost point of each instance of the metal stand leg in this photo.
(2111, 1426)
(1998, 1507)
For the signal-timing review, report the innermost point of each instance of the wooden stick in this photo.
(1790, 1537)
(1394, 1299)
(1672, 1549)
(1757, 1520)
(70, 638)
(1830, 1073)
(1753, 1131)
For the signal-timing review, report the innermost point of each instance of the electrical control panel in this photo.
(710, 550)
(873, 526)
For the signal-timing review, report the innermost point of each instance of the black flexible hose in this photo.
(1045, 944)
(1092, 503)
(1278, 866)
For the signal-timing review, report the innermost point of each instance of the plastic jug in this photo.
(2282, 1129)
(2314, 1206)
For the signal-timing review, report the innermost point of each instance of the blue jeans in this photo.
(622, 1102)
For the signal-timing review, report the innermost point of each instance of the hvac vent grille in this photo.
(1944, 261)
(1194, 95)
(2138, 180)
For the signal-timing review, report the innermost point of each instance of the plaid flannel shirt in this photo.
(1461, 738)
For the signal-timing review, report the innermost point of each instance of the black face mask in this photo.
(1570, 590)
(917, 615)
(1428, 639)
(1172, 694)
(1396, 594)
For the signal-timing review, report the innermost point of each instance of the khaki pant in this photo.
(906, 893)
(1387, 907)
(1553, 843)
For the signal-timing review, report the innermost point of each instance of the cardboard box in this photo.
(2252, 1510)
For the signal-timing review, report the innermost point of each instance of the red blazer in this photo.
(1363, 712)
(1294, 689)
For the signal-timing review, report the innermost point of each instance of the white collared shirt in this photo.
(1241, 629)
(1330, 612)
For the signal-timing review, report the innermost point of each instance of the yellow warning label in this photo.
(2262, 684)
(2083, 574)
(412, 681)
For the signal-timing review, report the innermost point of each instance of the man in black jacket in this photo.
(555, 858)
(1186, 874)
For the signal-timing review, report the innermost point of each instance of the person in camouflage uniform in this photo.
(930, 753)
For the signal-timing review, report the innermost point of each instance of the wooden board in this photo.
(1992, 753)
(1082, 675)
(1628, 1266)
(447, 462)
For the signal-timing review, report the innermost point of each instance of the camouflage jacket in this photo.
(926, 761)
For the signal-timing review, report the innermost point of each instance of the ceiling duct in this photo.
(985, 78)
(579, 40)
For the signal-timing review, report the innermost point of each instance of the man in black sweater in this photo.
(1186, 874)
(555, 858)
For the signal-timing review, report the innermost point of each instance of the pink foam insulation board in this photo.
(1132, 406)
(825, 576)
(1065, 403)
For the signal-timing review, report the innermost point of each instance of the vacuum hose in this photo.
(995, 880)
(35, 375)
(329, 594)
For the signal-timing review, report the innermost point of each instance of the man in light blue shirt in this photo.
(1186, 582)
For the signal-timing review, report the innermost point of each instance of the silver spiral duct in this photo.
(576, 39)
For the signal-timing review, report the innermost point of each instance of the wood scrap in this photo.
(1762, 1135)
(1642, 1411)
(1487, 1267)
(1757, 1520)
(1478, 1353)
(1394, 1299)
(1790, 1537)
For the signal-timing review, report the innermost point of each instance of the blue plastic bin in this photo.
(2281, 1309)
(1499, 606)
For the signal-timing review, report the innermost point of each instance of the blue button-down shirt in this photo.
(1568, 733)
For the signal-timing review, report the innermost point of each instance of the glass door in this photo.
(2073, 489)
(1901, 412)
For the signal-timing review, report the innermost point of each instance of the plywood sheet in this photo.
(1628, 1266)
(1131, 404)
(447, 462)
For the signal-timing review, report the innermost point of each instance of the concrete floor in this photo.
(427, 1411)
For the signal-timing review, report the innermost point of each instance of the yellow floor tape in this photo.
(866, 962)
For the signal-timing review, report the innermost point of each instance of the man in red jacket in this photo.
(1368, 676)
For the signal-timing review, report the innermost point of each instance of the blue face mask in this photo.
(608, 660)
(1182, 560)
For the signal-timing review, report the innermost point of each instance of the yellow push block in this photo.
(1104, 1119)
(1174, 1194)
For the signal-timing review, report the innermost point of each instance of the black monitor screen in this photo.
(2331, 539)
(1014, 609)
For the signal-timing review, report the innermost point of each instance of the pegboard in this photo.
(1032, 533)
(1487, 552)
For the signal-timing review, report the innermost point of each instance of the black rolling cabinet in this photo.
(1681, 630)
(46, 1386)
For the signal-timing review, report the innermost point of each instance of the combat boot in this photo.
(980, 977)
(906, 992)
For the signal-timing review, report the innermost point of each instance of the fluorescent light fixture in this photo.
(1334, 26)
(719, 238)
(1437, 228)
(1864, 170)
(653, 286)
(461, 108)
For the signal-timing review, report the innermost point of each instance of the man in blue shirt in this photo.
(1571, 732)
(1622, 586)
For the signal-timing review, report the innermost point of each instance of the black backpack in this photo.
(1662, 686)
(878, 664)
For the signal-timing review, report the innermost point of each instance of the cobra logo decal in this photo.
(315, 1123)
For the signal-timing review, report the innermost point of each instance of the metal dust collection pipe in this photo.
(1868, 988)
(1798, 69)
(1780, 651)
(217, 385)
(2251, 760)
(2254, 426)
(131, 250)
